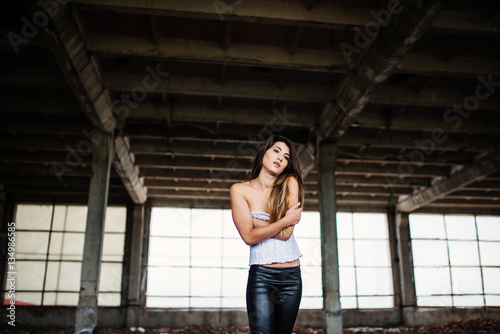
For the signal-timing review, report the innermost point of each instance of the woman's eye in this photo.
(286, 158)
(276, 151)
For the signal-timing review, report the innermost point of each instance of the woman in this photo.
(265, 210)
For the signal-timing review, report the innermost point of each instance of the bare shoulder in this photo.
(293, 183)
(239, 188)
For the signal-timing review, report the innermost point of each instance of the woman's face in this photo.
(276, 158)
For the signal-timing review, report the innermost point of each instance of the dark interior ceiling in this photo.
(190, 87)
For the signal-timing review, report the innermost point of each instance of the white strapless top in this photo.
(273, 250)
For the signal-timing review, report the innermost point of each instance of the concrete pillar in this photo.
(395, 261)
(134, 275)
(86, 312)
(332, 312)
(408, 294)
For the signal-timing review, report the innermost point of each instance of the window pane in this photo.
(205, 302)
(374, 281)
(492, 300)
(310, 249)
(347, 282)
(489, 253)
(205, 282)
(109, 299)
(491, 278)
(370, 226)
(29, 275)
(168, 251)
(463, 253)
(170, 301)
(488, 228)
(170, 222)
(434, 301)
(429, 281)
(75, 218)
(29, 298)
(460, 227)
(168, 282)
(311, 275)
(429, 253)
(112, 247)
(234, 302)
(468, 301)
(235, 253)
(372, 253)
(466, 280)
(116, 219)
(31, 245)
(111, 277)
(348, 302)
(63, 276)
(346, 252)
(206, 248)
(234, 282)
(309, 225)
(64, 298)
(376, 302)
(206, 223)
(311, 303)
(72, 244)
(344, 225)
(33, 217)
(228, 228)
(427, 226)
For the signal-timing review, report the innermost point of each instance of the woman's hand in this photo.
(293, 214)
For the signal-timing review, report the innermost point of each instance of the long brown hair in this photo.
(278, 198)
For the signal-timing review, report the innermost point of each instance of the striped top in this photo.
(273, 250)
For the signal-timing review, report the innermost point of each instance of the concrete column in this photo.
(395, 261)
(332, 312)
(86, 312)
(408, 294)
(134, 275)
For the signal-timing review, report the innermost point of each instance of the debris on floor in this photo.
(473, 326)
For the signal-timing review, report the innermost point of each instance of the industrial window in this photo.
(364, 261)
(49, 251)
(456, 260)
(198, 260)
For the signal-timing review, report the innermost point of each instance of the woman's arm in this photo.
(243, 219)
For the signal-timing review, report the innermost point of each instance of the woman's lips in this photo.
(277, 164)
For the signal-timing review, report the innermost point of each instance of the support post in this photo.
(332, 311)
(395, 261)
(134, 275)
(408, 293)
(86, 312)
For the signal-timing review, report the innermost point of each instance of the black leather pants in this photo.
(273, 299)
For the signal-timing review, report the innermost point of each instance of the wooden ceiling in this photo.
(189, 88)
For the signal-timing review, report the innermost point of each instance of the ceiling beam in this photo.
(375, 65)
(156, 35)
(477, 171)
(321, 15)
(84, 77)
(388, 95)
(328, 61)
